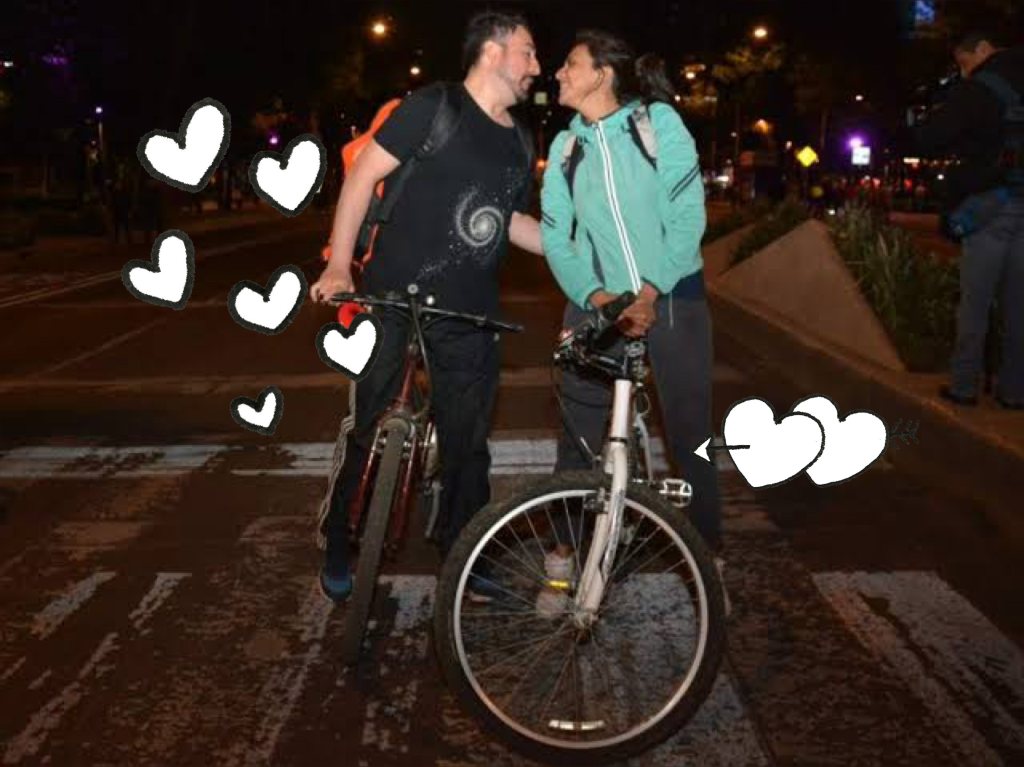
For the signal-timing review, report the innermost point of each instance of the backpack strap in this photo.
(442, 128)
(1001, 87)
(642, 131)
(1012, 160)
(572, 153)
(526, 140)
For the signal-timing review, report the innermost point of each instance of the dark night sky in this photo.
(150, 51)
(147, 60)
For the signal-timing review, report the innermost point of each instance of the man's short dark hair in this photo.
(484, 26)
(969, 42)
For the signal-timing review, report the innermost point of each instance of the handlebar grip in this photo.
(610, 312)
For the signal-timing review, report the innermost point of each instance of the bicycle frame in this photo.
(421, 428)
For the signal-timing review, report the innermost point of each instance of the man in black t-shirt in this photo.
(448, 234)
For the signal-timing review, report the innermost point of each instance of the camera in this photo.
(930, 96)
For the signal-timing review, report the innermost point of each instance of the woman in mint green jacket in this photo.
(623, 209)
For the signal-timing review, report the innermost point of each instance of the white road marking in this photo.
(14, 669)
(387, 724)
(162, 588)
(48, 718)
(106, 346)
(60, 609)
(533, 377)
(305, 459)
(99, 279)
(960, 666)
(281, 692)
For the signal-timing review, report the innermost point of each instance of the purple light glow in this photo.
(99, 110)
(274, 139)
(856, 142)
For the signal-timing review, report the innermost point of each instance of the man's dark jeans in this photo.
(992, 264)
(464, 364)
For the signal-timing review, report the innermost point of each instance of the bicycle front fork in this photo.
(608, 525)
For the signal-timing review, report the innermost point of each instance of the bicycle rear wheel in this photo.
(378, 515)
(550, 689)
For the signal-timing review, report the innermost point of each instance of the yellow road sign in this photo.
(807, 156)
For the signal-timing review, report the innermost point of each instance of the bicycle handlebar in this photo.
(395, 301)
(576, 347)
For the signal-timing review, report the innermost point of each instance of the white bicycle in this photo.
(613, 654)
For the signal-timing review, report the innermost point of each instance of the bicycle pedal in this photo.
(678, 492)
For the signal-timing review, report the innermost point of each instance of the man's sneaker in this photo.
(553, 599)
(720, 564)
(336, 588)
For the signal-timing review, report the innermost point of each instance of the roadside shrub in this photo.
(913, 294)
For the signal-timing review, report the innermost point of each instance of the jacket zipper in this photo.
(613, 201)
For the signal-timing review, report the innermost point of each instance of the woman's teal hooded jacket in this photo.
(634, 223)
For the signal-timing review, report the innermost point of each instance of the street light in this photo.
(691, 75)
(379, 28)
(760, 33)
(415, 71)
(858, 97)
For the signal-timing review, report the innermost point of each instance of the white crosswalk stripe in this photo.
(960, 666)
(49, 717)
(967, 674)
(300, 459)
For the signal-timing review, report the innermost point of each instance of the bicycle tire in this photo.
(378, 515)
(448, 656)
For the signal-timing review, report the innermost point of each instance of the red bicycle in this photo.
(403, 468)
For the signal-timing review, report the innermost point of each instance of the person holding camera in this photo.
(982, 123)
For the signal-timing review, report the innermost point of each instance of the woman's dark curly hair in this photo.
(641, 78)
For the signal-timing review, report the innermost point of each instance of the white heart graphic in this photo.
(272, 311)
(187, 159)
(851, 445)
(264, 415)
(290, 184)
(768, 452)
(351, 352)
(167, 279)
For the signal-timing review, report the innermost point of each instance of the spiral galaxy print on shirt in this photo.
(481, 227)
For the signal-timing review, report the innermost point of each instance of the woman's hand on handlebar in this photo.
(639, 317)
(331, 281)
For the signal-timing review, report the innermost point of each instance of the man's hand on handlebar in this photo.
(331, 281)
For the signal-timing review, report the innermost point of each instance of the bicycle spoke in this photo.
(537, 575)
(517, 655)
(499, 587)
(635, 550)
(533, 662)
(554, 691)
(518, 623)
(554, 527)
(575, 545)
(603, 667)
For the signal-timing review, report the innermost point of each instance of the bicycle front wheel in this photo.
(371, 545)
(551, 689)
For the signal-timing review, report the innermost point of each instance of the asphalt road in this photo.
(157, 564)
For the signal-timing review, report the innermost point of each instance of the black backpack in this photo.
(1011, 159)
(446, 120)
